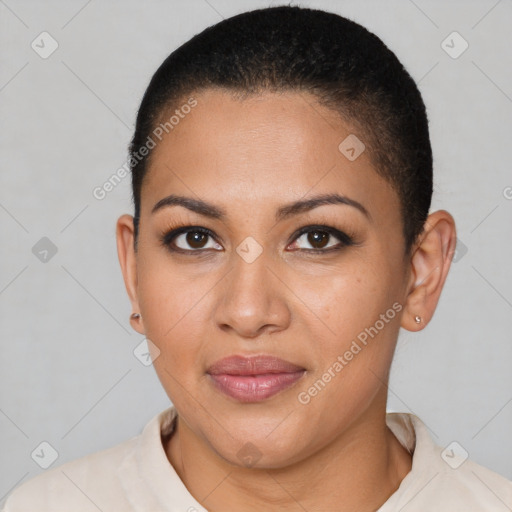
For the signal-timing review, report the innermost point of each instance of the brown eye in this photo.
(318, 239)
(321, 239)
(190, 239)
(195, 239)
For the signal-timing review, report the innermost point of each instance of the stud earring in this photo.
(135, 316)
(417, 319)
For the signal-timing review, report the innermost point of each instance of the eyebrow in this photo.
(209, 210)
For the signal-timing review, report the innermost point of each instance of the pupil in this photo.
(318, 237)
(194, 239)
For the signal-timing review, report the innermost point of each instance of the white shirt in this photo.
(137, 476)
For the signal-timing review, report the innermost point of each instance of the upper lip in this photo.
(252, 365)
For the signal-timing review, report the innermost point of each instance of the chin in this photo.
(256, 448)
(252, 456)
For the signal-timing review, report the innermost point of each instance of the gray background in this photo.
(68, 373)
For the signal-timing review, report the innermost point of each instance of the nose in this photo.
(252, 299)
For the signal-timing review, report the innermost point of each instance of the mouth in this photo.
(253, 379)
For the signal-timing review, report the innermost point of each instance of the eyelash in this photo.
(345, 240)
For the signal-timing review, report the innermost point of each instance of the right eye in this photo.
(189, 239)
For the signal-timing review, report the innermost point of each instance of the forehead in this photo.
(262, 150)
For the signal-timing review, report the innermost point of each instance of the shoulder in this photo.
(81, 485)
(469, 486)
(443, 478)
(129, 476)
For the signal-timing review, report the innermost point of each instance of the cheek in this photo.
(168, 297)
(175, 322)
(352, 361)
(173, 307)
(353, 320)
(342, 301)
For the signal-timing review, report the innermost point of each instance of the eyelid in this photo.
(171, 234)
(344, 236)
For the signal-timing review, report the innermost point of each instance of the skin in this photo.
(250, 157)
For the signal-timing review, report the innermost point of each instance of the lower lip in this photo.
(255, 388)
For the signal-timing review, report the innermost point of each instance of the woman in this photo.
(282, 180)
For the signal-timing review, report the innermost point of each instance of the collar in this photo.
(151, 483)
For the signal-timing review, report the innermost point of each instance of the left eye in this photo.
(320, 239)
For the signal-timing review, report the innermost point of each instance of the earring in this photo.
(135, 316)
(417, 319)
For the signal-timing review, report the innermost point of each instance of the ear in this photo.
(125, 235)
(430, 264)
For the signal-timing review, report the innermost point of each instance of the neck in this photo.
(359, 470)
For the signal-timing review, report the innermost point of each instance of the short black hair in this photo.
(346, 67)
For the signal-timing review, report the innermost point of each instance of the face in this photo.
(275, 315)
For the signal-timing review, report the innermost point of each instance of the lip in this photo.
(255, 378)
